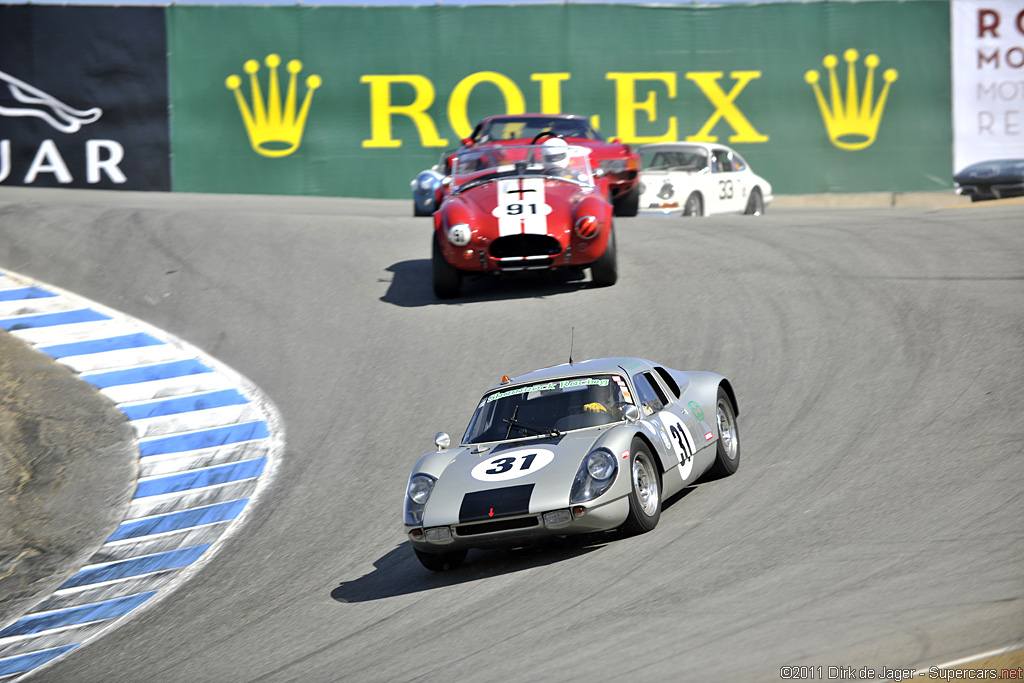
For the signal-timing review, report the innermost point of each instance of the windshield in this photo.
(675, 158)
(482, 164)
(548, 408)
(528, 127)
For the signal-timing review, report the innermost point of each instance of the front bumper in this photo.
(520, 530)
(484, 256)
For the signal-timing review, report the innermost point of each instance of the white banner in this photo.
(988, 80)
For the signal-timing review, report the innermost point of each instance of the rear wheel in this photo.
(727, 456)
(644, 493)
(694, 205)
(447, 278)
(605, 270)
(629, 203)
(441, 562)
(755, 205)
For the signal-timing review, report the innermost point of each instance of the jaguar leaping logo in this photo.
(46, 107)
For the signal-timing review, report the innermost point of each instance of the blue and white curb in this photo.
(209, 441)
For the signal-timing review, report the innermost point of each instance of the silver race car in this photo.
(582, 447)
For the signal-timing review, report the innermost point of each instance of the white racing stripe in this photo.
(209, 442)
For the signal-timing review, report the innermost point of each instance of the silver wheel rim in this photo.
(645, 485)
(727, 431)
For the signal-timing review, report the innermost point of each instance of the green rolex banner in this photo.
(355, 101)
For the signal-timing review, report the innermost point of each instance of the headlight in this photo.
(600, 465)
(420, 486)
(595, 476)
(586, 227)
(460, 234)
(613, 165)
(427, 183)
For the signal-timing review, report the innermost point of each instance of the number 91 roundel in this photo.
(513, 464)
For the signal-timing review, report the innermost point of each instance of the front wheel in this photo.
(755, 205)
(629, 203)
(727, 455)
(694, 206)
(441, 562)
(605, 270)
(447, 278)
(644, 492)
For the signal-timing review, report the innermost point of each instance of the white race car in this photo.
(699, 179)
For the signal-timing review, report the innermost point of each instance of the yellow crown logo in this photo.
(273, 132)
(851, 124)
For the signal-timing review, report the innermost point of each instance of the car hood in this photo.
(599, 149)
(995, 170)
(465, 492)
(553, 197)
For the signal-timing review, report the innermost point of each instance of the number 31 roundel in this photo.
(513, 464)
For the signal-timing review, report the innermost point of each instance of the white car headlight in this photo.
(600, 465)
(460, 234)
(416, 495)
(420, 487)
(595, 476)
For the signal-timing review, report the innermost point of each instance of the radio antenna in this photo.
(572, 338)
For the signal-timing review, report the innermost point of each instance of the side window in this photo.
(738, 164)
(720, 161)
(672, 385)
(648, 394)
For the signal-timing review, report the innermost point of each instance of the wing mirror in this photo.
(631, 413)
(442, 441)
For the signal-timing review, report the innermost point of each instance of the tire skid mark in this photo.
(208, 440)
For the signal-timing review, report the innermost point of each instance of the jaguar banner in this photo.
(83, 97)
(354, 101)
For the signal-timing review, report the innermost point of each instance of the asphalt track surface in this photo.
(875, 519)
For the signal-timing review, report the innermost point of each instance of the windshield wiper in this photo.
(539, 431)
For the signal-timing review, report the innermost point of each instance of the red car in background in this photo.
(618, 162)
(522, 208)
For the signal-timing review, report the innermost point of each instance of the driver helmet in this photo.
(555, 153)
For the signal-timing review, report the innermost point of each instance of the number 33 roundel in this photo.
(513, 464)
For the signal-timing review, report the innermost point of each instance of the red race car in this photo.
(619, 162)
(522, 207)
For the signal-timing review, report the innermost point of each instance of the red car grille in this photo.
(511, 246)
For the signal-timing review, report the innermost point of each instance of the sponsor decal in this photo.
(709, 436)
(698, 412)
(549, 386)
(274, 126)
(851, 120)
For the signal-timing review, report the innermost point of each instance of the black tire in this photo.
(605, 270)
(441, 562)
(629, 203)
(755, 205)
(644, 491)
(727, 455)
(447, 278)
(694, 205)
